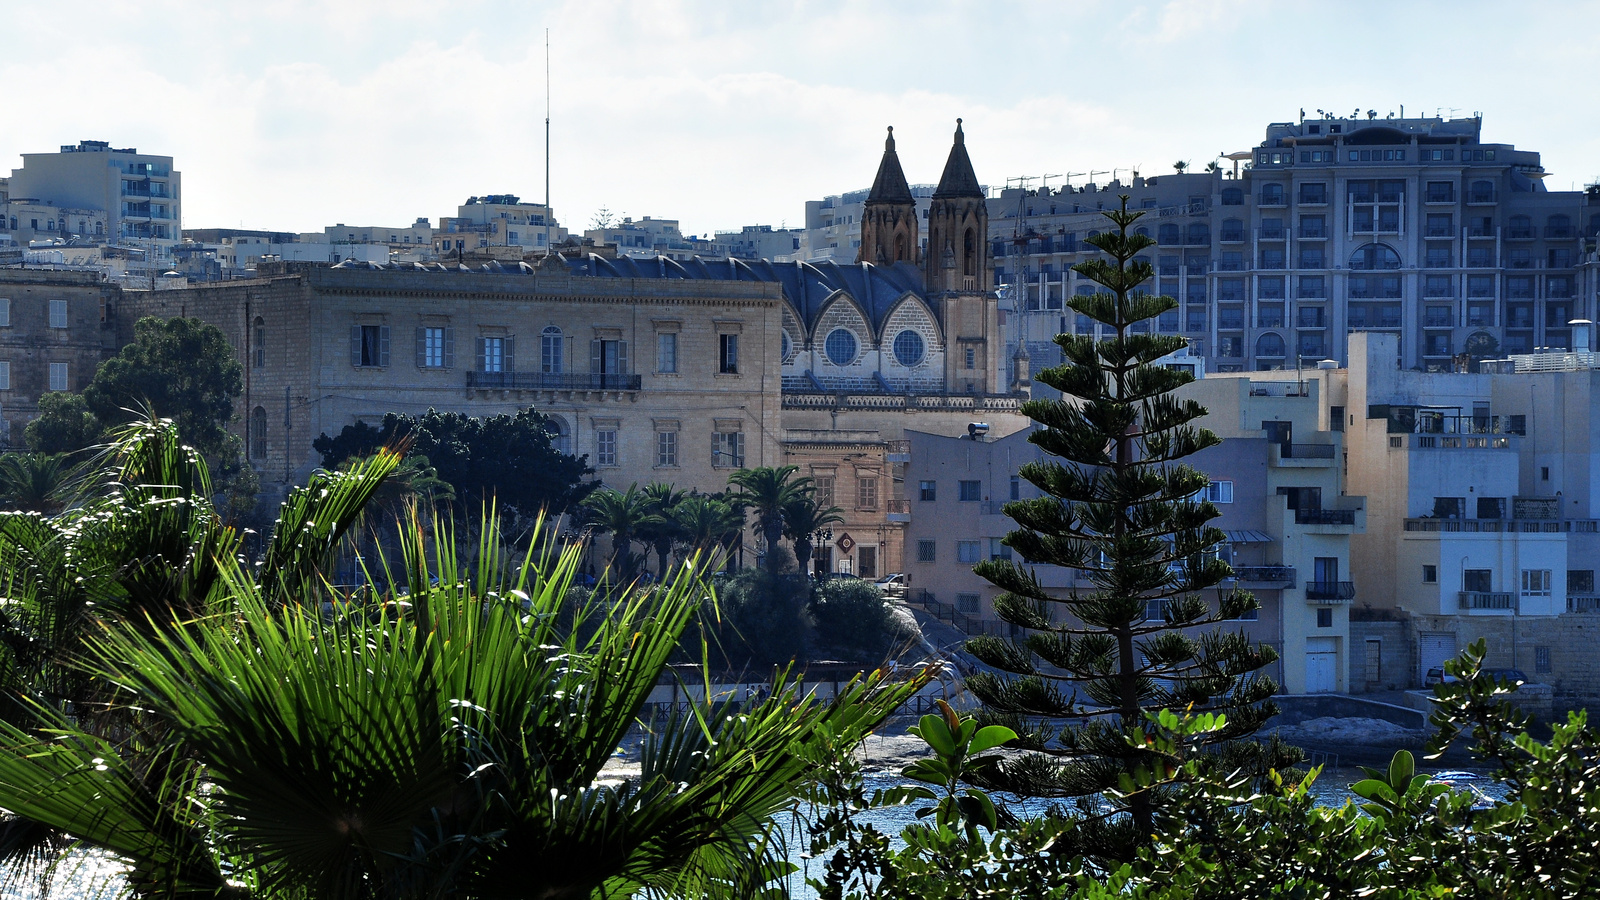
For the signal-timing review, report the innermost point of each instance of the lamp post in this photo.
(822, 537)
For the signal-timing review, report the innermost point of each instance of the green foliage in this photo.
(769, 491)
(1121, 508)
(854, 618)
(35, 482)
(623, 515)
(802, 518)
(180, 369)
(507, 460)
(758, 620)
(64, 425)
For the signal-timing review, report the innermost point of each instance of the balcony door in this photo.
(1325, 570)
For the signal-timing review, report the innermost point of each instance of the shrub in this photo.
(854, 619)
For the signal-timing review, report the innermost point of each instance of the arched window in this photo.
(840, 347)
(1232, 230)
(1520, 227)
(258, 433)
(1558, 226)
(550, 350)
(1374, 256)
(1167, 234)
(1199, 233)
(908, 347)
(560, 436)
(1269, 344)
(787, 346)
(899, 248)
(969, 255)
(259, 338)
(1481, 192)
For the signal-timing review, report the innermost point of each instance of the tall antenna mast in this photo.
(547, 211)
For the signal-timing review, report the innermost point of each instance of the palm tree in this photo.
(706, 524)
(1180, 167)
(621, 514)
(35, 482)
(448, 747)
(768, 490)
(660, 530)
(801, 519)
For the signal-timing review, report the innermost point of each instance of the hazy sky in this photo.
(293, 116)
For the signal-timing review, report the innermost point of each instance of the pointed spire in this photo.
(958, 179)
(890, 186)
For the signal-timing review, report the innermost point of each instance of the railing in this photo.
(1330, 591)
(1309, 451)
(1558, 231)
(1437, 322)
(1520, 233)
(1314, 199)
(1324, 517)
(553, 381)
(1313, 233)
(1480, 231)
(1583, 603)
(1273, 200)
(898, 451)
(1265, 574)
(1272, 234)
(1228, 236)
(1445, 197)
(899, 510)
(1480, 197)
(1486, 600)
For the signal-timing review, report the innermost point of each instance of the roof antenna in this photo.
(548, 214)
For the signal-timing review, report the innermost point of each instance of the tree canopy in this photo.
(508, 459)
(180, 369)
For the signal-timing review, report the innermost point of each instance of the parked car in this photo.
(894, 584)
(1437, 675)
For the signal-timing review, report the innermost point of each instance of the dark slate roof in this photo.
(958, 179)
(890, 186)
(807, 286)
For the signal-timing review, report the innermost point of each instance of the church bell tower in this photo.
(889, 228)
(958, 274)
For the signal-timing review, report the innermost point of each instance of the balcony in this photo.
(1438, 321)
(1271, 234)
(1469, 600)
(1441, 197)
(1558, 232)
(1301, 456)
(553, 381)
(1330, 591)
(1521, 233)
(1583, 603)
(1282, 576)
(1480, 197)
(899, 510)
(1272, 200)
(1232, 235)
(1317, 233)
(1325, 516)
(1480, 231)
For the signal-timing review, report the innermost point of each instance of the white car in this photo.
(893, 585)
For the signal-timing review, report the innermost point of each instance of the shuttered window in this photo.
(369, 345)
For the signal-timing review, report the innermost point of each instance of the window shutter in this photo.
(449, 347)
(622, 357)
(383, 345)
(480, 354)
(422, 347)
(511, 353)
(355, 345)
(596, 357)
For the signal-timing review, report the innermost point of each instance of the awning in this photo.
(1248, 536)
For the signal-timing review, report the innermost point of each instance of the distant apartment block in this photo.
(761, 242)
(498, 221)
(92, 191)
(1414, 227)
(650, 237)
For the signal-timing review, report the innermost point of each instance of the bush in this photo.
(854, 619)
(760, 620)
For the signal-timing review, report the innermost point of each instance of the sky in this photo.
(296, 115)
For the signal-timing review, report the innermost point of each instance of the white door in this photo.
(1433, 650)
(1322, 672)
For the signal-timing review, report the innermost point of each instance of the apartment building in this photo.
(632, 374)
(762, 242)
(498, 221)
(650, 237)
(1275, 479)
(55, 329)
(138, 196)
(833, 224)
(409, 237)
(1415, 227)
(860, 473)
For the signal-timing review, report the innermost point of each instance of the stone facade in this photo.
(860, 473)
(56, 327)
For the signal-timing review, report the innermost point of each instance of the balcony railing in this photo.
(899, 510)
(1325, 516)
(1231, 236)
(1583, 603)
(1330, 591)
(1559, 232)
(553, 381)
(1310, 451)
(1265, 574)
(1315, 233)
(1486, 600)
(1437, 322)
(1441, 197)
(1272, 200)
(1480, 197)
(1521, 233)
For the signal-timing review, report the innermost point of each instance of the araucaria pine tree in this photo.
(1140, 631)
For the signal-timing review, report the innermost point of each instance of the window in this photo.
(58, 376)
(550, 347)
(1541, 660)
(840, 347)
(727, 449)
(494, 354)
(1491, 507)
(258, 433)
(666, 448)
(908, 348)
(1313, 287)
(867, 562)
(369, 346)
(824, 486)
(608, 357)
(969, 604)
(927, 491)
(998, 550)
(1324, 617)
(1477, 580)
(970, 491)
(5, 375)
(5, 313)
(58, 313)
(1016, 487)
(927, 551)
(866, 492)
(605, 447)
(1450, 507)
(435, 348)
(667, 352)
(1580, 581)
(1430, 574)
(258, 337)
(1220, 492)
(972, 358)
(1441, 192)
(728, 354)
(969, 551)
(1535, 582)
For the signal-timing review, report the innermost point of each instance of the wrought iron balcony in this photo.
(1330, 591)
(553, 381)
(1284, 575)
(1324, 517)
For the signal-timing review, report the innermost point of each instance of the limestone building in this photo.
(55, 329)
